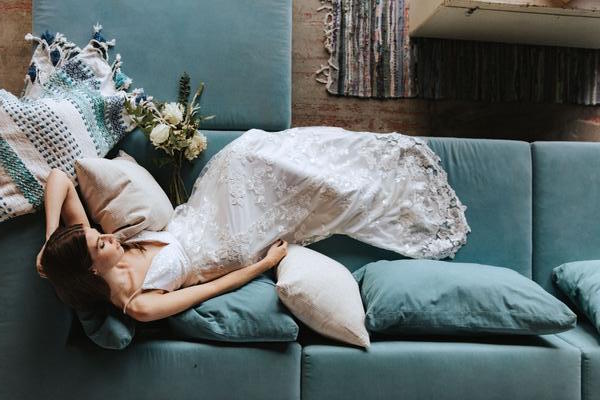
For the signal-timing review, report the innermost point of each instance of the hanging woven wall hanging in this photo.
(372, 55)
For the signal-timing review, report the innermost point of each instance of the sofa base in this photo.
(166, 369)
(586, 338)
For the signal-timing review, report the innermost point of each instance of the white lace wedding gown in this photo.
(305, 184)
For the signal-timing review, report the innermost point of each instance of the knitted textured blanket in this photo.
(72, 106)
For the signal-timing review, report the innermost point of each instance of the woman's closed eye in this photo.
(100, 243)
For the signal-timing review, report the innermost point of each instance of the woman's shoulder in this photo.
(122, 288)
(127, 281)
(126, 285)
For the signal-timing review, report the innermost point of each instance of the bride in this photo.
(261, 191)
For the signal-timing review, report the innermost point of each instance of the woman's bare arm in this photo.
(154, 305)
(61, 200)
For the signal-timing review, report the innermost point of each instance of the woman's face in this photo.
(105, 249)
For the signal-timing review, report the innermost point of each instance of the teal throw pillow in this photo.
(580, 282)
(251, 313)
(437, 297)
(107, 327)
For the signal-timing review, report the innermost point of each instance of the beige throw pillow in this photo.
(323, 294)
(121, 195)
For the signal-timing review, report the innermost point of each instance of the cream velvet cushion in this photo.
(121, 195)
(323, 294)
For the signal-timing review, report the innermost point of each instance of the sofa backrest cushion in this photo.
(240, 49)
(566, 210)
(493, 179)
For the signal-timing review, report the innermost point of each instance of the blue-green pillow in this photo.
(580, 282)
(437, 297)
(107, 327)
(251, 313)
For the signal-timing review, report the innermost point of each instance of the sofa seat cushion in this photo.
(498, 368)
(586, 339)
(169, 369)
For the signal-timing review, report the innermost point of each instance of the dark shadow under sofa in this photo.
(530, 208)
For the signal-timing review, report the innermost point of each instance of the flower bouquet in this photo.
(174, 128)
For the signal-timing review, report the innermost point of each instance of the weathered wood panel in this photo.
(542, 23)
(15, 22)
(578, 4)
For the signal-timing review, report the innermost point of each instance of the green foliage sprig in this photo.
(172, 127)
(184, 89)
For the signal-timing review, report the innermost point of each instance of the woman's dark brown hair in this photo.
(67, 264)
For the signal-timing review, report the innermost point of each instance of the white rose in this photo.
(190, 153)
(196, 145)
(172, 113)
(199, 141)
(159, 134)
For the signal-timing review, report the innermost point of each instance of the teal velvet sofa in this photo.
(530, 206)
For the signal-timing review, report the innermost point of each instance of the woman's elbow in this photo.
(56, 179)
(139, 311)
(57, 172)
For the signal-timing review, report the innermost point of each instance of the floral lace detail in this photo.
(306, 184)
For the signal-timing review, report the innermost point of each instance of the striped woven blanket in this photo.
(72, 106)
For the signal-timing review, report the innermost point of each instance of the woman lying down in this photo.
(259, 193)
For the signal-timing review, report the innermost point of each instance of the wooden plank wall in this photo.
(15, 52)
(312, 105)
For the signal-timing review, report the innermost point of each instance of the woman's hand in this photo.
(38, 263)
(276, 252)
